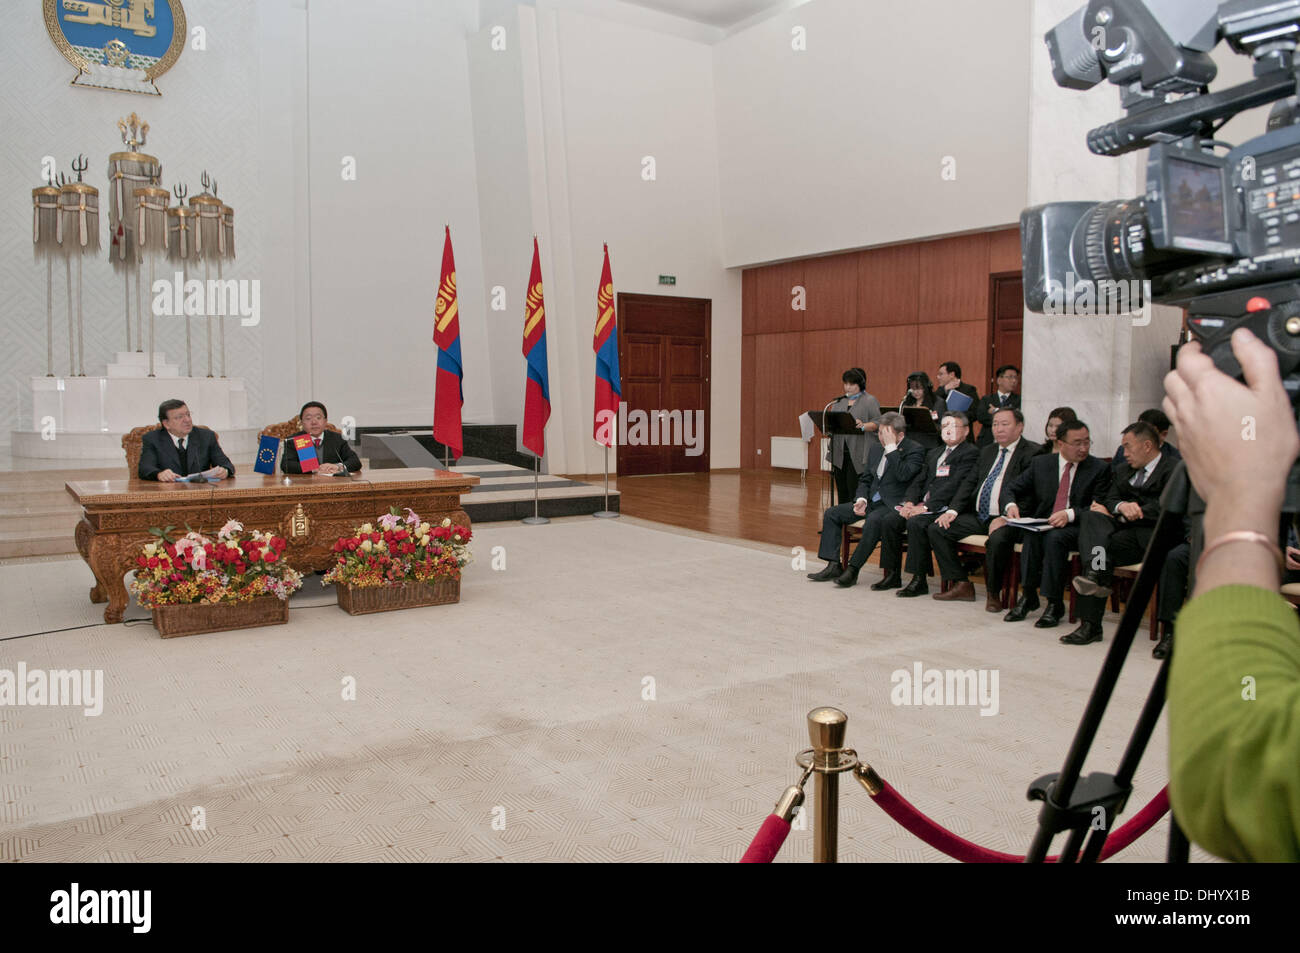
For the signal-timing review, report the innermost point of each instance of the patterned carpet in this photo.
(519, 725)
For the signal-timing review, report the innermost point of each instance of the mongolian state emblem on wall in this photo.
(118, 44)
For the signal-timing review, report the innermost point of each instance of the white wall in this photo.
(841, 145)
(214, 114)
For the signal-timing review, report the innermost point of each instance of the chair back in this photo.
(288, 428)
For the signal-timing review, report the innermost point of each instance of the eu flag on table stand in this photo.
(537, 394)
(267, 450)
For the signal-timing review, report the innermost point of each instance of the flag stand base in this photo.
(606, 513)
(535, 519)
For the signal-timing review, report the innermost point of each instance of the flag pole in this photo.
(535, 519)
(606, 513)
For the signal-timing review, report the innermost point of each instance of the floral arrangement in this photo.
(399, 550)
(196, 570)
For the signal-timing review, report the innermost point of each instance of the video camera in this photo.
(1218, 229)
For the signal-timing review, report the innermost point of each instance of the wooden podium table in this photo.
(311, 512)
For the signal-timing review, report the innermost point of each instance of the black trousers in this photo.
(846, 477)
(919, 562)
(997, 551)
(1104, 543)
(1046, 557)
(837, 517)
(1173, 582)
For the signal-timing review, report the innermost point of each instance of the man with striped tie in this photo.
(975, 508)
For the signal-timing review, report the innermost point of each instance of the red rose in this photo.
(271, 557)
(142, 561)
(401, 534)
(153, 562)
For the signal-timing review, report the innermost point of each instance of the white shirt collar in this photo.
(1152, 465)
(1011, 448)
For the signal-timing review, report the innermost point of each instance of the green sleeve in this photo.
(1234, 724)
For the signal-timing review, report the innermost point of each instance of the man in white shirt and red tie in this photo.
(332, 450)
(1058, 488)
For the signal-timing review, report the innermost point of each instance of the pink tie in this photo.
(1063, 491)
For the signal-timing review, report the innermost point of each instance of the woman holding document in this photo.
(848, 452)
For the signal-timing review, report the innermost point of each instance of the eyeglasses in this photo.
(1085, 442)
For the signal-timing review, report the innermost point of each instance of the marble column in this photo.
(1109, 369)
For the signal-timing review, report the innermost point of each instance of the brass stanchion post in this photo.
(826, 730)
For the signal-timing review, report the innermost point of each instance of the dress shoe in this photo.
(1091, 584)
(959, 592)
(992, 601)
(848, 578)
(1086, 632)
(892, 580)
(1051, 616)
(917, 587)
(1165, 645)
(1026, 604)
(832, 571)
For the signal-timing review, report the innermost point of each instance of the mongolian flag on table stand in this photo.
(608, 387)
(537, 399)
(306, 448)
(449, 390)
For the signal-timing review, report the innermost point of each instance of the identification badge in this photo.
(941, 471)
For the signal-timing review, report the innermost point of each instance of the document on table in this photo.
(1030, 523)
(207, 476)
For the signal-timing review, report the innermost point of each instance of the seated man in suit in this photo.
(1058, 488)
(177, 450)
(931, 494)
(892, 465)
(1160, 423)
(974, 508)
(1008, 379)
(1115, 532)
(333, 452)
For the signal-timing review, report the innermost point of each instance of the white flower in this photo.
(411, 518)
(367, 546)
(424, 540)
(424, 529)
(446, 521)
(230, 529)
(366, 528)
(150, 549)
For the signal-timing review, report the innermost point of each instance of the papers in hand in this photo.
(207, 476)
(956, 400)
(1031, 523)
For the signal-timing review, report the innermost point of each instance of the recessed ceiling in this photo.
(719, 13)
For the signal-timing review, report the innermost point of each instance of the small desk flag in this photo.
(267, 450)
(306, 453)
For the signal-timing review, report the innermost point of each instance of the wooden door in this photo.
(1006, 326)
(663, 354)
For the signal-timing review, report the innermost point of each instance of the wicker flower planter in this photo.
(173, 621)
(408, 595)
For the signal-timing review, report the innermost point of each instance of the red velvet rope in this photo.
(767, 842)
(942, 839)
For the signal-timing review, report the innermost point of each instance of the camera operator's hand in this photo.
(1239, 441)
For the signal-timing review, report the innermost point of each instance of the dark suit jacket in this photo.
(1147, 495)
(202, 452)
(1034, 491)
(901, 468)
(984, 409)
(967, 500)
(943, 490)
(333, 449)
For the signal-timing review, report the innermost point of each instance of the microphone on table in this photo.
(339, 453)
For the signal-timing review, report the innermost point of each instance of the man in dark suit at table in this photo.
(1115, 532)
(1059, 488)
(333, 452)
(177, 449)
(931, 494)
(1008, 379)
(975, 513)
(891, 467)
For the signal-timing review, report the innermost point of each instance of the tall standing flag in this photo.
(537, 397)
(609, 390)
(449, 390)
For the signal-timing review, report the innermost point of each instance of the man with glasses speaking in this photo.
(1057, 488)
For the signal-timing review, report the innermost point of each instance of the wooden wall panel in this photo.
(890, 355)
(1004, 251)
(887, 279)
(748, 301)
(773, 297)
(832, 286)
(827, 355)
(747, 388)
(778, 360)
(953, 281)
(966, 342)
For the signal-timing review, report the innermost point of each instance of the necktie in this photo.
(316, 440)
(184, 455)
(880, 472)
(986, 491)
(1063, 490)
(1140, 478)
(937, 467)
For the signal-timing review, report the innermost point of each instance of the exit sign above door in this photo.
(668, 279)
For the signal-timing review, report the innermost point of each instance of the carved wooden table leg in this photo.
(110, 572)
(84, 534)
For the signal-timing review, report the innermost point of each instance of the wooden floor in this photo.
(767, 506)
